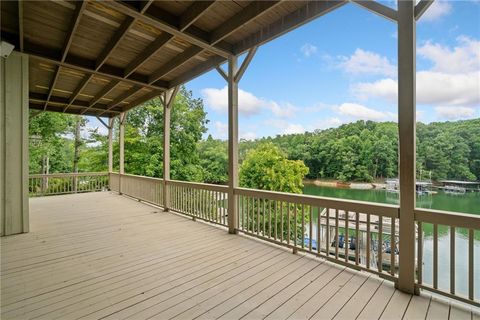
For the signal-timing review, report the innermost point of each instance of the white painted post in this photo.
(122, 150)
(232, 143)
(406, 125)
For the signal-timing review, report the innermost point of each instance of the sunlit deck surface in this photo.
(101, 255)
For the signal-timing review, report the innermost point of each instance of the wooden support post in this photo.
(121, 141)
(110, 145)
(232, 143)
(14, 209)
(167, 100)
(406, 125)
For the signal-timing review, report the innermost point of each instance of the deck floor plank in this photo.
(104, 256)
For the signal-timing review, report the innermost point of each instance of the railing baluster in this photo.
(435, 256)
(347, 234)
(452, 260)
(288, 223)
(295, 232)
(337, 236)
(357, 238)
(258, 216)
(471, 269)
(420, 253)
(303, 226)
(311, 226)
(263, 215)
(380, 244)
(275, 218)
(319, 229)
(393, 246)
(327, 233)
(281, 221)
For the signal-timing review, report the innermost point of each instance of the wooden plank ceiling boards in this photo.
(101, 58)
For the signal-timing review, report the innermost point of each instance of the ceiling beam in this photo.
(193, 12)
(146, 97)
(20, 25)
(114, 42)
(378, 9)
(422, 7)
(250, 12)
(73, 110)
(40, 97)
(144, 5)
(167, 23)
(79, 9)
(78, 90)
(39, 52)
(174, 63)
(308, 12)
(148, 52)
(197, 71)
(121, 98)
(106, 90)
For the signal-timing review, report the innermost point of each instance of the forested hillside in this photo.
(360, 151)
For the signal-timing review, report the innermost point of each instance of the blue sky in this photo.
(342, 67)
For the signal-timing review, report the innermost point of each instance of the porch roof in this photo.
(103, 58)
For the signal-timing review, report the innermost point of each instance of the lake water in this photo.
(468, 203)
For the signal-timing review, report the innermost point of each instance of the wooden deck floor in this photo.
(104, 256)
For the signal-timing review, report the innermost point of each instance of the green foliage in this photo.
(267, 168)
(213, 160)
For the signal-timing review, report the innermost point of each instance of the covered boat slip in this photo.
(101, 255)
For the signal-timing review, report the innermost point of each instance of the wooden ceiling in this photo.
(101, 58)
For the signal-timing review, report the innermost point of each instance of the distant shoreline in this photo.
(346, 185)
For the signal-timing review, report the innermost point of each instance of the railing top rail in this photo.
(384, 210)
(141, 177)
(212, 187)
(447, 218)
(67, 174)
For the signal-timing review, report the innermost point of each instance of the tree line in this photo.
(359, 151)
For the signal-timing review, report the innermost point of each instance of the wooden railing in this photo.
(143, 188)
(63, 183)
(199, 200)
(458, 279)
(360, 235)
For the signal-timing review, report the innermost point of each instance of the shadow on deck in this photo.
(101, 255)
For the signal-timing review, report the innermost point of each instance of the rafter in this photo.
(174, 63)
(106, 90)
(20, 24)
(378, 8)
(124, 96)
(148, 52)
(114, 42)
(422, 7)
(146, 97)
(167, 23)
(78, 90)
(308, 12)
(41, 53)
(197, 71)
(55, 100)
(252, 11)
(80, 8)
(194, 12)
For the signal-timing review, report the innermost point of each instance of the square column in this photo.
(407, 147)
(14, 210)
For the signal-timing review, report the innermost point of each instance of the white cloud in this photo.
(308, 49)
(453, 80)
(292, 128)
(454, 113)
(437, 10)
(360, 112)
(248, 135)
(286, 127)
(366, 62)
(326, 123)
(432, 88)
(248, 103)
(221, 129)
(464, 58)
